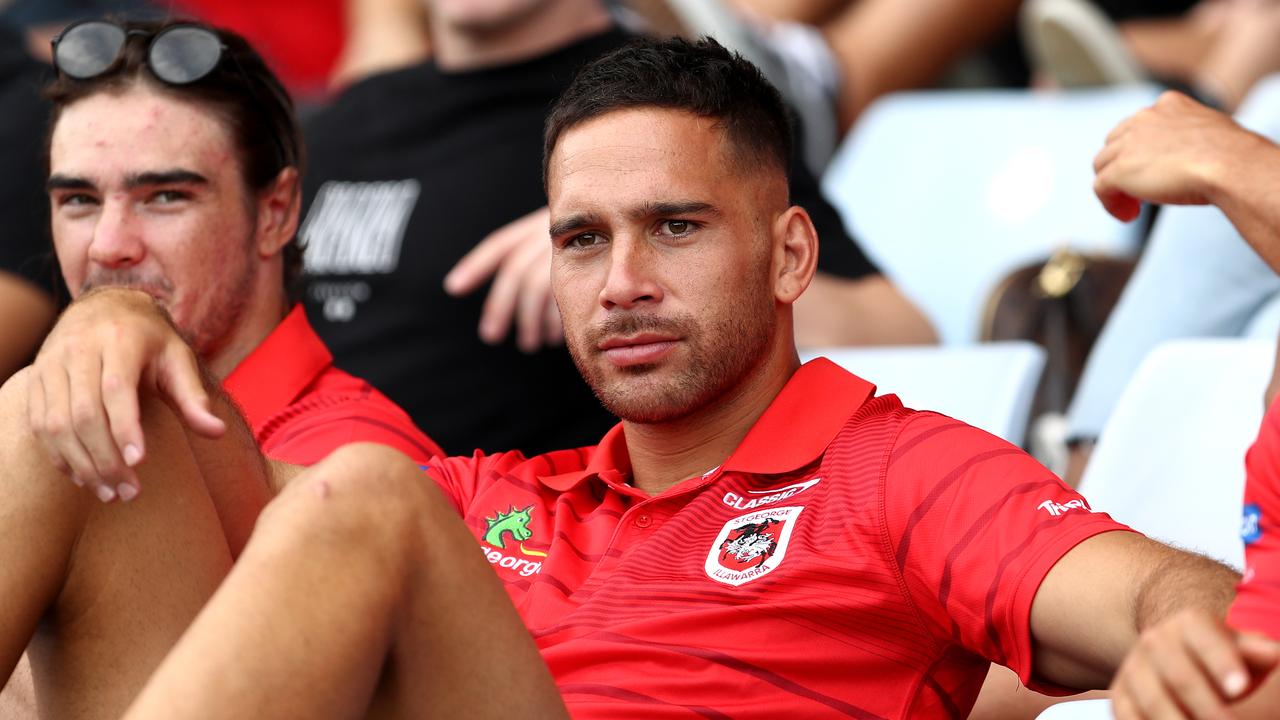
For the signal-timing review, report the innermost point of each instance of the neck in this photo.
(261, 315)
(666, 454)
(547, 29)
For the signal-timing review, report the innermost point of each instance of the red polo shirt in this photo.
(850, 559)
(301, 407)
(1257, 603)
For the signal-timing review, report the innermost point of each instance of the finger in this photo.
(120, 387)
(1121, 205)
(60, 439)
(90, 422)
(36, 419)
(179, 381)
(1260, 653)
(533, 299)
(552, 324)
(1216, 649)
(500, 306)
(1123, 707)
(1105, 156)
(484, 259)
(1150, 696)
(1120, 129)
(1190, 682)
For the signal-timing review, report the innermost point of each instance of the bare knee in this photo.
(363, 500)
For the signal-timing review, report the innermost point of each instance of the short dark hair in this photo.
(242, 91)
(701, 77)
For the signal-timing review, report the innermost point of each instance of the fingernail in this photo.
(126, 491)
(1235, 683)
(132, 455)
(105, 493)
(75, 479)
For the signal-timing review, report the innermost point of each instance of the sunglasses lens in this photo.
(182, 55)
(88, 49)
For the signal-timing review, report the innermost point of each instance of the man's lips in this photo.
(637, 349)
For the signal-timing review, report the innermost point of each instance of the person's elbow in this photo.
(869, 311)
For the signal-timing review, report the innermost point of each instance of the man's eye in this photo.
(168, 197)
(583, 240)
(676, 227)
(76, 199)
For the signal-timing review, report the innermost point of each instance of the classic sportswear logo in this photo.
(751, 546)
(738, 502)
(512, 525)
(1056, 509)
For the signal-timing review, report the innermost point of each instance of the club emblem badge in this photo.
(751, 546)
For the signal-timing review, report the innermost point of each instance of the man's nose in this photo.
(633, 274)
(117, 237)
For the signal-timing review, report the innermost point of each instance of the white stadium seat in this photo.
(1170, 461)
(948, 191)
(988, 385)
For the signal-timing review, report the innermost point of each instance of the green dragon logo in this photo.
(515, 522)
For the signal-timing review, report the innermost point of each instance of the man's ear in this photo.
(278, 208)
(795, 254)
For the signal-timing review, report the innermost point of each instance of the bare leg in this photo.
(360, 588)
(887, 45)
(98, 592)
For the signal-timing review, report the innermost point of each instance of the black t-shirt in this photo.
(409, 170)
(25, 249)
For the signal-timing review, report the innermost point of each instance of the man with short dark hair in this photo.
(756, 538)
(425, 223)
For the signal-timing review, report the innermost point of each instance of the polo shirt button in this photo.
(643, 521)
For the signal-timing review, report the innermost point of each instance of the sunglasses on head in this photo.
(179, 54)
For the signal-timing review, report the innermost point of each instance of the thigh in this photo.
(99, 593)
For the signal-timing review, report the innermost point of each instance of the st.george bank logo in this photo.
(751, 546)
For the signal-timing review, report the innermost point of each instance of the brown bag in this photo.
(1061, 304)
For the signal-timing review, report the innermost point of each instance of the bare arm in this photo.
(1122, 604)
(26, 314)
(867, 311)
(887, 45)
(1102, 595)
(1183, 153)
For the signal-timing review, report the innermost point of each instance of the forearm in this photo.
(835, 311)
(1183, 581)
(1248, 193)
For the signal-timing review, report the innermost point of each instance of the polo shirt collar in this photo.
(279, 370)
(794, 430)
(802, 421)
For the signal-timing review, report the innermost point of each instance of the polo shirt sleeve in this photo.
(310, 438)
(1257, 604)
(462, 478)
(975, 524)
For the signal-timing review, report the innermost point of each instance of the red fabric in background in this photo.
(301, 39)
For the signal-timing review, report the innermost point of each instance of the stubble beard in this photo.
(721, 355)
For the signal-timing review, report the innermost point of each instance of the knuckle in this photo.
(83, 416)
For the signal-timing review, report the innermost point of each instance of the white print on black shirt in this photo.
(357, 227)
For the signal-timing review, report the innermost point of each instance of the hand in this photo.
(1173, 152)
(518, 258)
(1190, 666)
(83, 401)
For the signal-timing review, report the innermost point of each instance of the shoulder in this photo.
(340, 409)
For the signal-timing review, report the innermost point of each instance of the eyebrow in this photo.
(647, 210)
(164, 177)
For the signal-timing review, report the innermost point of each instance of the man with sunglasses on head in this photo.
(174, 159)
